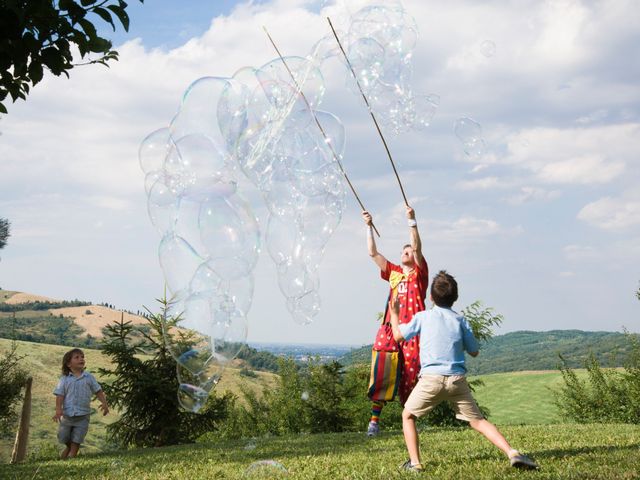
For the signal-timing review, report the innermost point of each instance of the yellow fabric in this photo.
(395, 278)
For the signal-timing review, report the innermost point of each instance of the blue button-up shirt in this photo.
(77, 393)
(444, 337)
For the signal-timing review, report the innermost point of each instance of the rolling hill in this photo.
(527, 350)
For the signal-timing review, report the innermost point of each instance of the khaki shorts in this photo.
(433, 389)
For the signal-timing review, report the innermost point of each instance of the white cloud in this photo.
(574, 155)
(580, 253)
(611, 213)
(532, 194)
(468, 229)
(484, 183)
(589, 169)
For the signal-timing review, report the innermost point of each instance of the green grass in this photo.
(563, 451)
(43, 362)
(521, 397)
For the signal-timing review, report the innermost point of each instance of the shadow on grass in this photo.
(557, 453)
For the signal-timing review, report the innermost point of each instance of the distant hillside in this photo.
(526, 350)
(34, 318)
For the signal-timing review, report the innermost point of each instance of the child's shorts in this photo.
(73, 429)
(434, 389)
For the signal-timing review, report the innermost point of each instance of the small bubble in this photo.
(488, 48)
(266, 469)
(305, 396)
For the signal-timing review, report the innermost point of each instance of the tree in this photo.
(5, 232)
(39, 34)
(12, 379)
(144, 388)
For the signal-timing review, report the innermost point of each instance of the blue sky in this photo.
(544, 226)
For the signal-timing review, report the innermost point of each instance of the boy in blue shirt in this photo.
(444, 337)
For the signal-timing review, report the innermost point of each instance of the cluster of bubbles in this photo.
(255, 124)
(258, 125)
(379, 43)
(469, 133)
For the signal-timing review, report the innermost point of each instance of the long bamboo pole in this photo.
(366, 101)
(324, 135)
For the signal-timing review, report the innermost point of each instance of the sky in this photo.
(543, 226)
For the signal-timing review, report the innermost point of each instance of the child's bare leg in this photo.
(73, 449)
(411, 436)
(65, 453)
(490, 431)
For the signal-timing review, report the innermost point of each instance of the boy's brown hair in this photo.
(444, 289)
(67, 358)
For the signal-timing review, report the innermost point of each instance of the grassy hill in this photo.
(43, 362)
(563, 451)
(525, 350)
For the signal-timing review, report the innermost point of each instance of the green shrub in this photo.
(606, 395)
(143, 386)
(12, 379)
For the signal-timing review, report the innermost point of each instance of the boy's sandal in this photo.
(417, 468)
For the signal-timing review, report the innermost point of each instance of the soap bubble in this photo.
(191, 397)
(266, 469)
(488, 48)
(469, 132)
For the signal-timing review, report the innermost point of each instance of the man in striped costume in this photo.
(395, 365)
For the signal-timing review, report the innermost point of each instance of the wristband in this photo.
(412, 222)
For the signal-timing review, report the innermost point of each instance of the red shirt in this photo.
(412, 290)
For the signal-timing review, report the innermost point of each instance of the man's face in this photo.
(407, 257)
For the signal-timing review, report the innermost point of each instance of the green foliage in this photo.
(5, 232)
(39, 34)
(315, 399)
(12, 379)
(258, 360)
(40, 305)
(144, 388)
(482, 320)
(59, 330)
(606, 395)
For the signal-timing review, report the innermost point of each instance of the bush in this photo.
(12, 379)
(606, 395)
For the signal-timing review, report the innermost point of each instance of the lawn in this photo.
(563, 451)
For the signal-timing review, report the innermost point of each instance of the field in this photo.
(563, 451)
(43, 363)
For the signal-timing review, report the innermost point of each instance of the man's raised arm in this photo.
(377, 257)
(414, 236)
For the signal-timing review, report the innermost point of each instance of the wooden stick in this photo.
(366, 101)
(326, 138)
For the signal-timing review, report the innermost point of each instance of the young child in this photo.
(73, 399)
(444, 337)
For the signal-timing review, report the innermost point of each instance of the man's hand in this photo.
(57, 416)
(411, 214)
(367, 218)
(104, 407)
(394, 312)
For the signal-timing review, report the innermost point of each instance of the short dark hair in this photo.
(67, 358)
(444, 289)
(407, 245)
